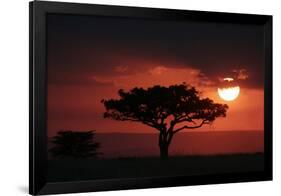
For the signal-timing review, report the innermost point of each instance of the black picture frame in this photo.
(38, 92)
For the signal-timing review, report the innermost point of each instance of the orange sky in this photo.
(79, 107)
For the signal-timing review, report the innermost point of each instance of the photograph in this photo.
(136, 97)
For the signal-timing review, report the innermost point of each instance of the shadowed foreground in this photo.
(91, 169)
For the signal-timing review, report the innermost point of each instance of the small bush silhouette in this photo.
(74, 144)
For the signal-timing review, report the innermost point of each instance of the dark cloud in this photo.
(82, 46)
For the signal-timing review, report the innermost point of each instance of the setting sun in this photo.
(229, 93)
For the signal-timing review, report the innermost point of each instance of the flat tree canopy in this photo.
(167, 109)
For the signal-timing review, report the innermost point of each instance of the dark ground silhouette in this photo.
(74, 170)
(107, 167)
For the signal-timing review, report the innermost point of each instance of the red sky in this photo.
(79, 107)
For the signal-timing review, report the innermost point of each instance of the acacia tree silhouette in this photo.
(167, 109)
(74, 144)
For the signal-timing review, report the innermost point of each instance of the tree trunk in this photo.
(163, 145)
(164, 151)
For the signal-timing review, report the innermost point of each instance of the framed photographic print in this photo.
(126, 97)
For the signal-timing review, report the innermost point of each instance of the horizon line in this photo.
(192, 131)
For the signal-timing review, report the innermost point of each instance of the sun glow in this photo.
(228, 79)
(229, 94)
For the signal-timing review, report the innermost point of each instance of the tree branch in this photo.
(184, 118)
(170, 136)
(189, 127)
